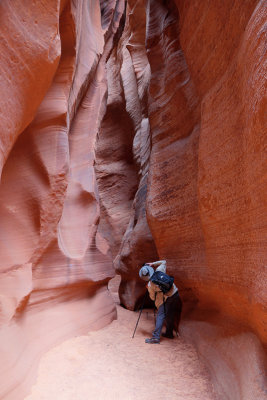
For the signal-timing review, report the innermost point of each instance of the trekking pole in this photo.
(141, 309)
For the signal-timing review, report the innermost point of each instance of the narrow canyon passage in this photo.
(109, 364)
(132, 131)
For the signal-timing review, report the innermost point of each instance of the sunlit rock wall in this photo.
(129, 135)
(54, 263)
(206, 186)
(206, 200)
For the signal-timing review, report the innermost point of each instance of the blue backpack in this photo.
(163, 281)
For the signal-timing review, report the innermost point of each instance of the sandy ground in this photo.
(109, 364)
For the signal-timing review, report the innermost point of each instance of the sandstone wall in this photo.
(206, 207)
(54, 264)
(129, 135)
(122, 157)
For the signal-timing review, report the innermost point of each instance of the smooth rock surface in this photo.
(206, 190)
(54, 263)
(126, 136)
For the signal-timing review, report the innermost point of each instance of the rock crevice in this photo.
(133, 131)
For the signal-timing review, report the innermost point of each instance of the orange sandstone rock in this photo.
(54, 264)
(122, 157)
(206, 206)
(206, 209)
(128, 136)
(30, 52)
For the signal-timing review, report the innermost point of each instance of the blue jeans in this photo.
(169, 311)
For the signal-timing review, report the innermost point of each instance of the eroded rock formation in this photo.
(205, 207)
(132, 132)
(54, 264)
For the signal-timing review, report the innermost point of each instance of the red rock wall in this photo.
(54, 263)
(122, 157)
(206, 209)
(132, 136)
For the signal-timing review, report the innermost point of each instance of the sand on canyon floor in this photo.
(108, 364)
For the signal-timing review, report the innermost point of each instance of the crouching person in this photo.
(167, 300)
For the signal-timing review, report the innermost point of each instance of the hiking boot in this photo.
(152, 340)
(168, 335)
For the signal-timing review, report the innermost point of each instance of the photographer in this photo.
(168, 303)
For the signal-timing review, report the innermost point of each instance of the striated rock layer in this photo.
(132, 132)
(205, 106)
(122, 171)
(54, 264)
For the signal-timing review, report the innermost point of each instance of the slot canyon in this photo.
(130, 132)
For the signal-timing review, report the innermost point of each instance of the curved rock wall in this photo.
(122, 166)
(55, 263)
(203, 196)
(206, 206)
(128, 135)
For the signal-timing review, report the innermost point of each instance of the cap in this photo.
(146, 272)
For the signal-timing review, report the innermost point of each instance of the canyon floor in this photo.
(108, 364)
